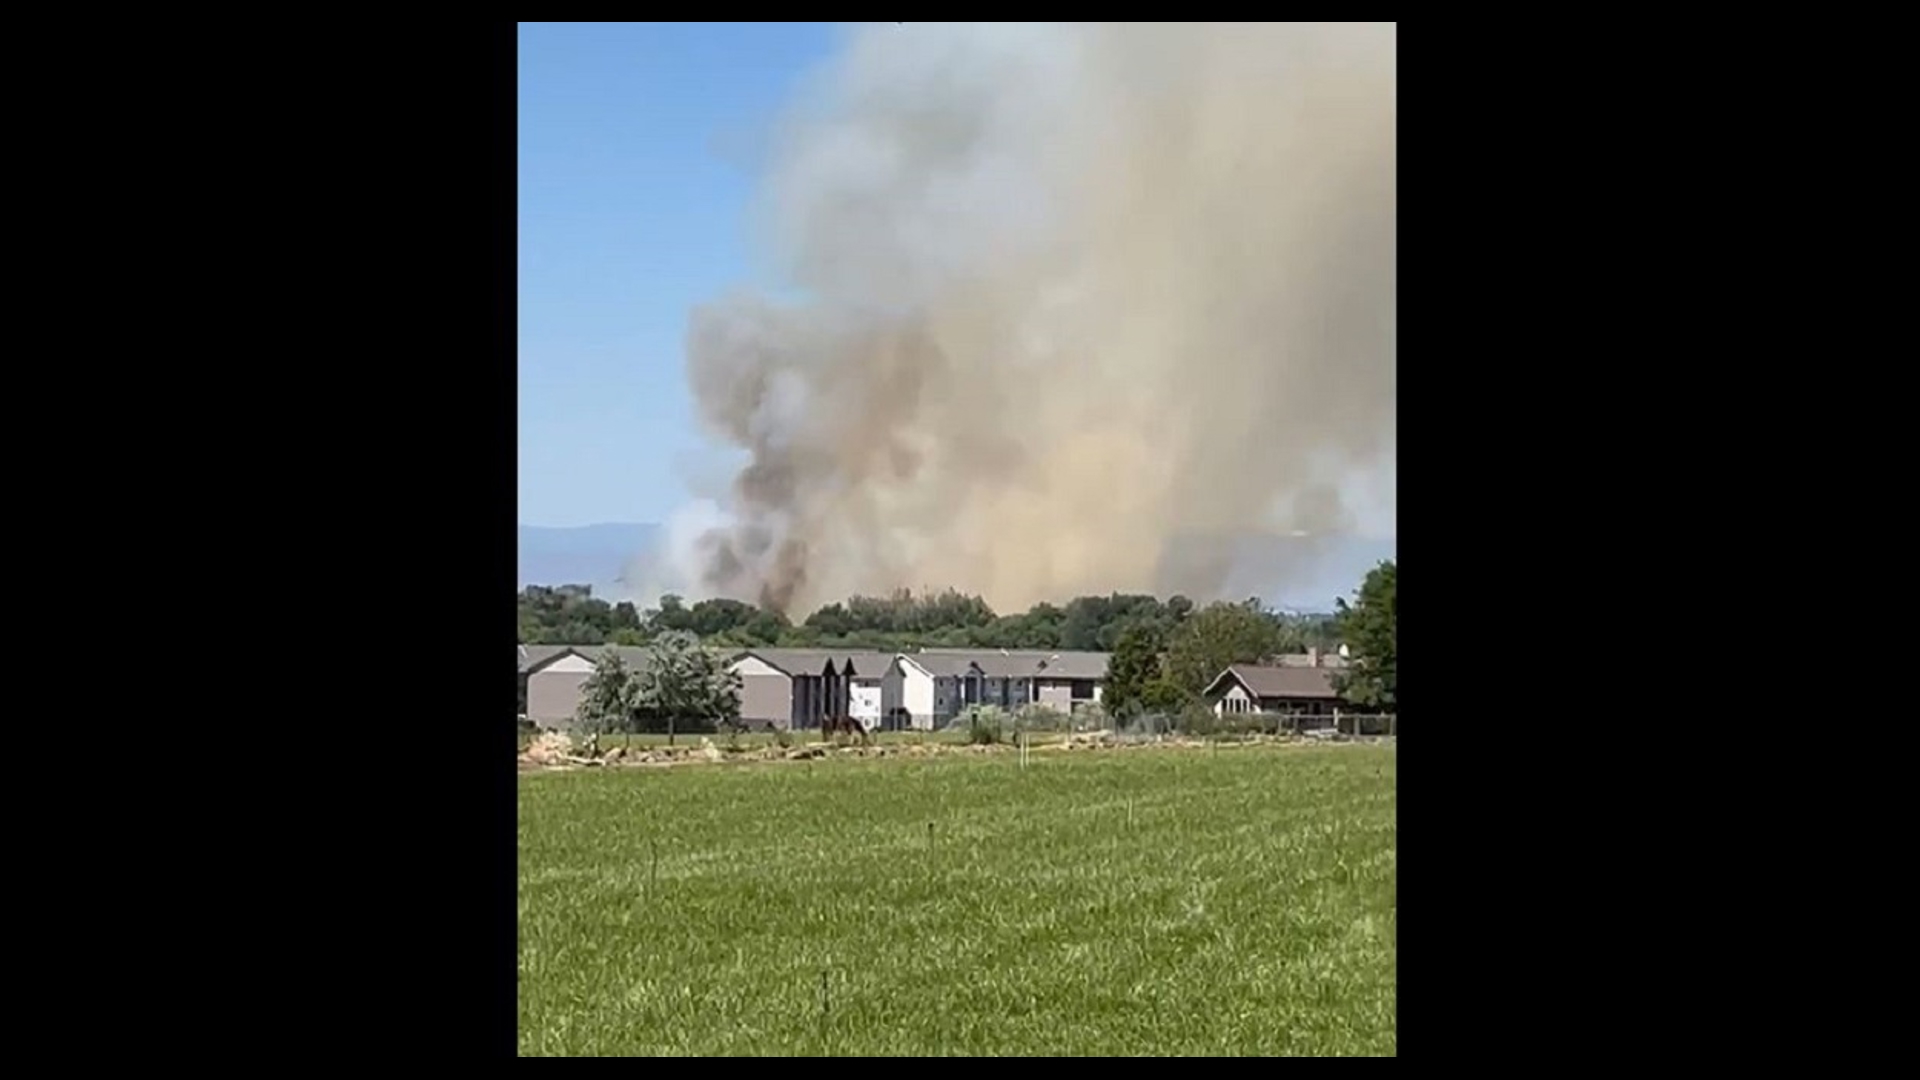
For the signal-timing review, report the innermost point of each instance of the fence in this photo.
(1205, 723)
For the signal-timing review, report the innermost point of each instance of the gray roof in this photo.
(1075, 665)
(533, 656)
(868, 665)
(1014, 663)
(814, 661)
(943, 663)
(636, 657)
(1278, 682)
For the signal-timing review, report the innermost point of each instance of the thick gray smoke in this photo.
(1083, 308)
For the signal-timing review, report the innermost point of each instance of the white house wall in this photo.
(863, 701)
(1235, 700)
(908, 686)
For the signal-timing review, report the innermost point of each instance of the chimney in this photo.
(1313, 656)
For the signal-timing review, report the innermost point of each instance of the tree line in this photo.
(571, 615)
(1164, 654)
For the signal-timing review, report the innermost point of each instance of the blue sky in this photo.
(631, 213)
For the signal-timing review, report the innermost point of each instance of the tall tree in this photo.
(1133, 669)
(687, 686)
(1216, 636)
(607, 697)
(1368, 627)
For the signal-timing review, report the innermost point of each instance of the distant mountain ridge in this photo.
(595, 555)
(598, 555)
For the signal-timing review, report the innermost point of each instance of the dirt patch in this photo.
(556, 751)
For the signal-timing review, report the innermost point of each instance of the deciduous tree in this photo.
(1367, 627)
(685, 685)
(607, 697)
(1219, 635)
(1134, 667)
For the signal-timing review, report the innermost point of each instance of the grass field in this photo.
(1230, 901)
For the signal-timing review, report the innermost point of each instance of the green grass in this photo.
(1244, 906)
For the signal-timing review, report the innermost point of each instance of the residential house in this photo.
(799, 688)
(928, 688)
(556, 683)
(533, 658)
(866, 674)
(1289, 689)
(1069, 681)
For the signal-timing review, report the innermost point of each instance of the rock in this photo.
(616, 755)
(549, 748)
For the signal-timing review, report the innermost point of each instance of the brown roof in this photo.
(1278, 682)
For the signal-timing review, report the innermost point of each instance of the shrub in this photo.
(986, 725)
(1198, 720)
(1248, 724)
(1041, 718)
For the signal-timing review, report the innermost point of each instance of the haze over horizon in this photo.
(601, 554)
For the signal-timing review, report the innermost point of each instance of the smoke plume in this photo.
(1080, 308)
